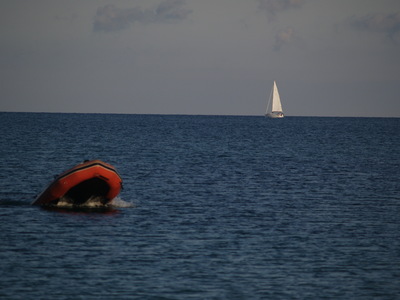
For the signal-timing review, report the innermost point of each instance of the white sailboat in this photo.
(276, 108)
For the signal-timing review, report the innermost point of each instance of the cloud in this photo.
(388, 23)
(272, 7)
(110, 18)
(283, 38)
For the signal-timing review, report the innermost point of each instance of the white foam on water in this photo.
(118, 202)
(65, 202)
(94, 202)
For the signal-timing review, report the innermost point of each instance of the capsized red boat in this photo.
(91, 183)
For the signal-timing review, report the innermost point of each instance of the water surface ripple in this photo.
(222, 208)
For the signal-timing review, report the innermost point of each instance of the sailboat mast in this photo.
(269, 100)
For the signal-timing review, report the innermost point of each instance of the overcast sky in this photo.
(329, 57)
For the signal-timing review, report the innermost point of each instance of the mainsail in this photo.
(276, 100)
(276, 109)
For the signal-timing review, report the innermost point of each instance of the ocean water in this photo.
(213, 207)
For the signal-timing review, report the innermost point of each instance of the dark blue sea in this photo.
(213, 207)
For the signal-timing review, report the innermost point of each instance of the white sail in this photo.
(276, 100)
(276, 108)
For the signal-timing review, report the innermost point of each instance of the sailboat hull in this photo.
(275, 115)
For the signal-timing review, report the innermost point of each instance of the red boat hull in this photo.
(89, 179)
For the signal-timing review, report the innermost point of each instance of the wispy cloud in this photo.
(110, 18)
(283, 38)
(387, 23)
(273, 7)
